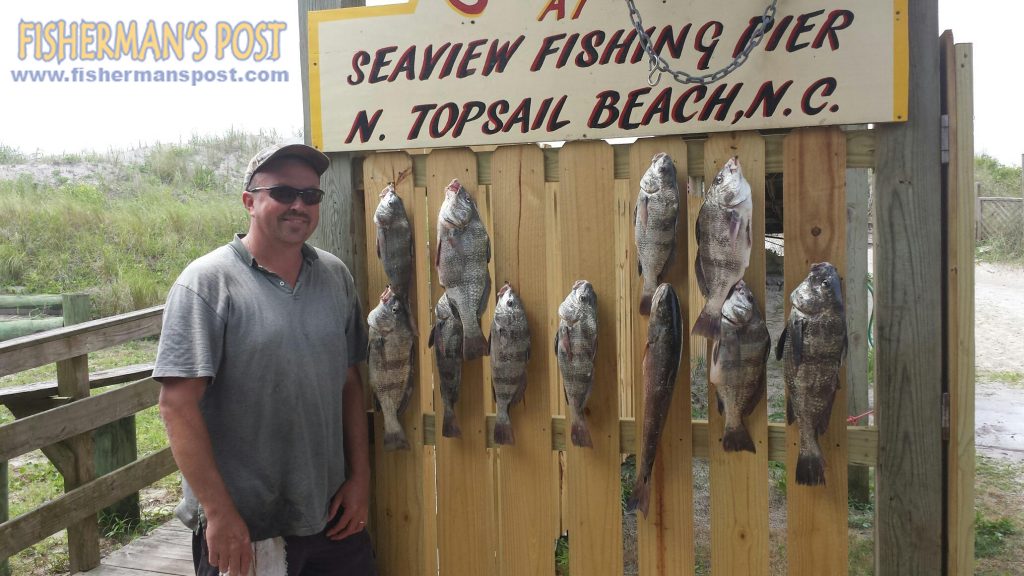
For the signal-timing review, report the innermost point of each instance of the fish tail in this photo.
(503, 433)
(450, 429)
(395, 440)
(645, 299)
(708, 325)
(640, 498)
(810, 465)
(474, 346)
(581, 434)
(737, 439)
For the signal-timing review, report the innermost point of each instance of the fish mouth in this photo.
(389, 189)
(453, 187)
(386, 294)
(505, 288)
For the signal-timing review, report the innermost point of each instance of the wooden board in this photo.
(960, 307)
(739, 480)
(586, 203)
(665, 535)
(464, 501)
(815, 231)
(908, 297)
(528, 471)
(82, 502)
(28, 352)
(404, 515)
(858, 183)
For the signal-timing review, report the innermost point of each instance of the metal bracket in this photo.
(944, 139)
(945, 416)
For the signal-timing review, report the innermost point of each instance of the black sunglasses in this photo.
(287, 194)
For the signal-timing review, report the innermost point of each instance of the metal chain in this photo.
(657, 65)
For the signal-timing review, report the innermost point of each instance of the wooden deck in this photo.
(165, 551)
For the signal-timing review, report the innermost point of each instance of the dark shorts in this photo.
(314, 555)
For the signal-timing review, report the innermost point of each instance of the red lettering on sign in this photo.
(470, 8)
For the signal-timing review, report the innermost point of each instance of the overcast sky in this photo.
(71, 116)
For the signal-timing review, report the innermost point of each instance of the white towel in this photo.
(268, 558)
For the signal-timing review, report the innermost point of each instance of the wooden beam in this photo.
(5, 510)
(78, 417)
(908, 298)
(28, 352)
(739, 501)
(665, 535)
(857, 187)
(81, 502)
(815, 231)
(31, 301)
(861, 440)
(586, 207)
(960, 451)
(98, 379)
(73, 383)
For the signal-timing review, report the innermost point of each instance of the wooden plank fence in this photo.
(996, 216)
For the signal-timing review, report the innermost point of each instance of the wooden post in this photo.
(977, 212)
(73, 382)
(341, 231)
(908, 296)
(5, 565)
(857, 186)
(115, 446)
(960, 454)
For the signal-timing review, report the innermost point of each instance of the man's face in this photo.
(273, 221)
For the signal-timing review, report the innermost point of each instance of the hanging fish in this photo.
(446, 340)
(389, 361)
(723, 244)
(576, 348)
(661, 365)
(813, 346)
(655, 218)
(510, 352)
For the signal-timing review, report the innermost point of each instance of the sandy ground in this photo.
(999, 343)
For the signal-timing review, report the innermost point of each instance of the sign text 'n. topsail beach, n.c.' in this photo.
(435, 73)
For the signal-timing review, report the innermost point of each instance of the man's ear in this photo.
(248, 199)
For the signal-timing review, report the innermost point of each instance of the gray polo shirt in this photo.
(277, 358)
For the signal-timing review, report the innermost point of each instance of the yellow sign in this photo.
(435, 73)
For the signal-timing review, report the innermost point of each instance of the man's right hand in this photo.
(227, 539)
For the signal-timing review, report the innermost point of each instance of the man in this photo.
(260, 394)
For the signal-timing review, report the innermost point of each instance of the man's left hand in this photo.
(354, 498)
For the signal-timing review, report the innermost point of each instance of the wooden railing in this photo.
(59, 418)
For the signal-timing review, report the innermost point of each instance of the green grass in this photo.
(1006, 377)
(991, 535)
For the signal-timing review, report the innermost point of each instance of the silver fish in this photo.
(723, 244)
(446, 339)
(510, 351)
(661, 365)
(576, 348)
(390, 360)
(812, 346)
(463, 251)
(738, 365)
(655, 218)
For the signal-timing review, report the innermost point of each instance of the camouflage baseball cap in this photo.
(315, 158)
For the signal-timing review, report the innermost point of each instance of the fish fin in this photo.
(503, 433)
(488, 249)
(407, 394)
(790, 416)
(377, 242)
(738, 440)
(376, 404)
(482, 305)
(647, 357)
(780, 346)
(641, 207)
(581, 434)
(721, 405)
(810, 470)
(707, 325)
(640, 498)
(430, 339)
(437, 253)
(521, 392)
(735, 224)
(798, 342)
(761, 391)
(698, 272)
(450, 428)
(714, 351)
(563, 340)
(645, 300)
(396, 440)
(412, 317)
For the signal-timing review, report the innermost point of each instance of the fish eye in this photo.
(825, 283)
